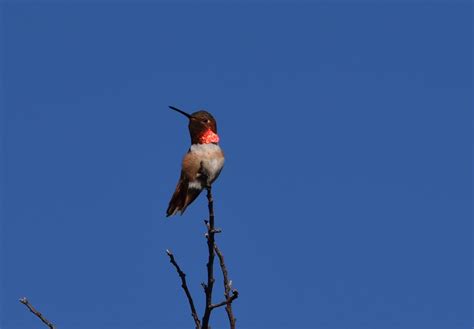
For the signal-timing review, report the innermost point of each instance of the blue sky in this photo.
(346, 198)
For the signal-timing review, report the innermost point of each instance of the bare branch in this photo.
(228, 302)
(184, 285)
(25, 302)
(227, 289)
(229, 294)
(210, 263)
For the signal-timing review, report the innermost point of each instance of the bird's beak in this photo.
(182, 112)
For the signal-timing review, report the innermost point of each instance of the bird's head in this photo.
(202, 126)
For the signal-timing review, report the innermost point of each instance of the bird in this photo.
(201, 165)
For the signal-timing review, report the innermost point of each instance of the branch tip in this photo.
(38, 314)
(184, 285)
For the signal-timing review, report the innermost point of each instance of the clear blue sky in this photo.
(346, 198)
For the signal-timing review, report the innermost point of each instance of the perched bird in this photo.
(201, 165)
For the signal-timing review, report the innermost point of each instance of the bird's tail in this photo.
(183, 196)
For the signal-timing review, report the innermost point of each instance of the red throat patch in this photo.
(209, 137)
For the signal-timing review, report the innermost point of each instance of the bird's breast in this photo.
(205, 157)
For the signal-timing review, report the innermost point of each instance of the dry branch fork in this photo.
(208, 286)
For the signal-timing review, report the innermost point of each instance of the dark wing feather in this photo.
(182, 197)
(178, 199)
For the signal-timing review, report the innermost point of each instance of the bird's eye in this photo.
(206, 121)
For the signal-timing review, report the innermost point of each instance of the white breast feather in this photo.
(195, 185)
(211, 163)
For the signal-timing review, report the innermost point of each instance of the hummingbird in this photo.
(201, 165)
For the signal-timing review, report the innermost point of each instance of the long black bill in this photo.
(182, 112)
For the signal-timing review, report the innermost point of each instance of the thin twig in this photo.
(227, 288)
(210, 263)
(184, 285)
(25, 302)
(229, 294)
(227, 302)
